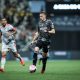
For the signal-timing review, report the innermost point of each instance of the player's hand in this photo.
(33, 42)
(8, 34)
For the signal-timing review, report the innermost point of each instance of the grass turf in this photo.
(56, 70)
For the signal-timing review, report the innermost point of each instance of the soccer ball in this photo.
(32, 68)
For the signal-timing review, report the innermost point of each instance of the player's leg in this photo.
(44, 61)
(3, 61)
(36, 50)
(3, 58)
(16, 54)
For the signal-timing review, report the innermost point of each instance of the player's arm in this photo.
(12, 31)
(36, 34)
(35, 37)
(52, 31)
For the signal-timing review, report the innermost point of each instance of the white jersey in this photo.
(8, 42)
(5, 38)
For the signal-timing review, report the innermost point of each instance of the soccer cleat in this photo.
(42, 71)
(1, 70)
(22, 62)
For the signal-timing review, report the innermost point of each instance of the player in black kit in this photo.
(45, 28)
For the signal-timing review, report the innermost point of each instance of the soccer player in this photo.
(45, 28)
(7, 32)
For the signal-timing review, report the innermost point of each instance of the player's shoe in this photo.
(1, 70)
(22, 62)
(42, 71)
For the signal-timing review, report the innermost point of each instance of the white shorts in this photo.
(11, 46)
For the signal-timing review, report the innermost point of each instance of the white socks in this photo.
(3, 61)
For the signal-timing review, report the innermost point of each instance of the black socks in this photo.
(35, 59)
(44, 60)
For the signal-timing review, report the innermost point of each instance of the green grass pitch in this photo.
(56, 70)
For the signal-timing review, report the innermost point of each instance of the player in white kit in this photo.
(7, 32)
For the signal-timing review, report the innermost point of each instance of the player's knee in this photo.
(3, 55)
(44, 55)
(36, 50)
(45, 51)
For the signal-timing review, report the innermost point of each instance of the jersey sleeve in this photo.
(11, 28)
(51, 24)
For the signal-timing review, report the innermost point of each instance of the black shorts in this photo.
(43, 45)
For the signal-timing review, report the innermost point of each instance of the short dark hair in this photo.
(2, 17)
(43, 12)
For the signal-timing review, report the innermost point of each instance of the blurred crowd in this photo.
(18, 14)
(67, 20)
